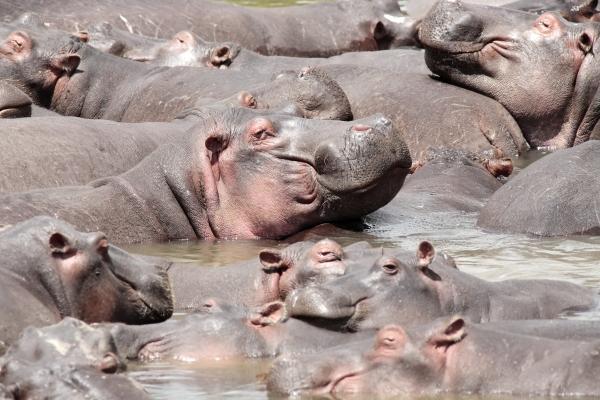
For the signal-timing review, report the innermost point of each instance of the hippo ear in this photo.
(221, 55)
(17, 46)
(269, 314)
(389, 343)
(425, 254)
(272, 260)
(83, 36)
(247, 100)
(447, 333)
(65, 63)
(60, 245)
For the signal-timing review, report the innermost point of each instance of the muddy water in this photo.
(486, 255)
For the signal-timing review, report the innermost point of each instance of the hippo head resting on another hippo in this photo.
(272, 175)
(541, 68)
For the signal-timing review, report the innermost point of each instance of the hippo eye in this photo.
(263, 134)
(328, 256)
(97, 272)
(390, 267)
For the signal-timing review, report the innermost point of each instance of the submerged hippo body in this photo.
(67, 360)
(514, 56)
(51, 271)
(270, 278)
(315, 30)
(456, 118)
(60, 72)
(373, 297)
(209, 184)
(449, 355)
(554, 196)
(450, 186)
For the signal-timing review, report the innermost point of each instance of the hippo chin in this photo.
(236, 174)
(541, 68)
(51, 271)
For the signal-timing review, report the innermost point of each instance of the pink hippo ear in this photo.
(64, 63)
(17, 46)
(272, 260)
(60, 245)
(269, 314)
(425, 255)
(220, 55)
(247, 100)
(389, 343)
(447, 333)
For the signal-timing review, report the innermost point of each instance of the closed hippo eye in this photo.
(260, 129)
(328, 256)
(390, 266)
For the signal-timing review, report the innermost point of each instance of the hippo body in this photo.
(191, 188)
(51, 271)
(13, 102)
(316, 30)
(559, 329)
(555, 196)
(513, 56)
(456, 118)
(372, 297)
(449, 355)
(67, 360)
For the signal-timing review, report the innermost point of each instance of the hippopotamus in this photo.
(514, 56)
(67, 360)
(447, 186)
(571, 10)
(560, 329)
(404, 289)
(448, 355)
(99, 85)
(224, 332)
(51, 271)
(226, 177)
(13, 102)
(270, 278)
(555, 196)
(314, 30)
(41, 152)
(456, 117)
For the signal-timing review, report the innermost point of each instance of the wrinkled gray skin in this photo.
(315, 30)
(50, 152)
(449, 185)
(268, 277)
(555, 196)
(541, 68)
(449, 355)
(51, 271)
(67, 360)
(224, 332)
(456, 117)
(406, 290)
(13, 102)
(60, 72)
(209, 184)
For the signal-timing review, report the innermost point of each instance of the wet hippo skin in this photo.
(208, 185)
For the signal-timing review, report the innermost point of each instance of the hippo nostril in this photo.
(361, 128)
(466, 27)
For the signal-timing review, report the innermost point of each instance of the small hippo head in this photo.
(13, 102)
(37, 62)
(541, 68)
(269, 176)
(186, 49)
(66, 360)
(400, 362)
(82, 276)
(396, 288)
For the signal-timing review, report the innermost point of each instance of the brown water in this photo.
(489, 256)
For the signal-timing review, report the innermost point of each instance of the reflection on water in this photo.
(486, 255)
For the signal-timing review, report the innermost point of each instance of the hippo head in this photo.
(186, 49)
(541, 68)
(82, 276)
(37, 63)
(218, 332)
(311, 93)
(399, 289)
(13, 102)
(269, 176)
(67, 360)
(400, 362)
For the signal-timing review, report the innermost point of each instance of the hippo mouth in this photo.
(458, 48)
(147, 310)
